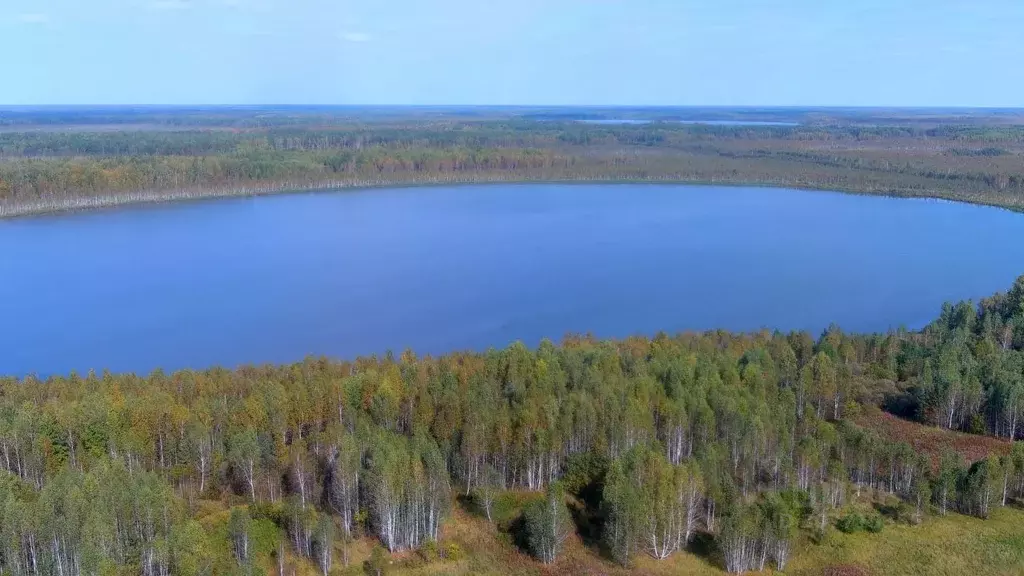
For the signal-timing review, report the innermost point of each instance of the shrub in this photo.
(429, 551)
(379, 562)
(852, 522)
(267, 511)
(452, 552)
(905, 512)
(874, 524)
(799, 501)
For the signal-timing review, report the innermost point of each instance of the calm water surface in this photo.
(273, 279)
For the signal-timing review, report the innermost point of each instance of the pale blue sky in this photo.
(669, 52)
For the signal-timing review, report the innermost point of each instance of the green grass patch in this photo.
(952, 545)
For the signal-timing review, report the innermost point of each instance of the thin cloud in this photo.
(38, 18)
(356, 37)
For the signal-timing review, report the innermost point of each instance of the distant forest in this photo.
(752, 445)
(60, 160)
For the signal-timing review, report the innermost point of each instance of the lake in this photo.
(272, 279)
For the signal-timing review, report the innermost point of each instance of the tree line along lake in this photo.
(437, 269)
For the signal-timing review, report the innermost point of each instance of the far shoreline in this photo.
(141, 198)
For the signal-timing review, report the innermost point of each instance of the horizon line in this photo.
(633, 106)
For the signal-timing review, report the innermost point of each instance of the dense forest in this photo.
(751, 444)
(61, 160)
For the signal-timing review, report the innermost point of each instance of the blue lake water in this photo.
(275, 278)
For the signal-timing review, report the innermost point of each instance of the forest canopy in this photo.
(64, 160)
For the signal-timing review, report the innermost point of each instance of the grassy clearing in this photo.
(954, 545)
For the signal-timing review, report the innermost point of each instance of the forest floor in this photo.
(951, 545)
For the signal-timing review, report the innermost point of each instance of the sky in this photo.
(543, 52)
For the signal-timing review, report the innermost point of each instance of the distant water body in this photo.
(272, 279)
(704, 122)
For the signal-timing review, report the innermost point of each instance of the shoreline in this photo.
(54, 207)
